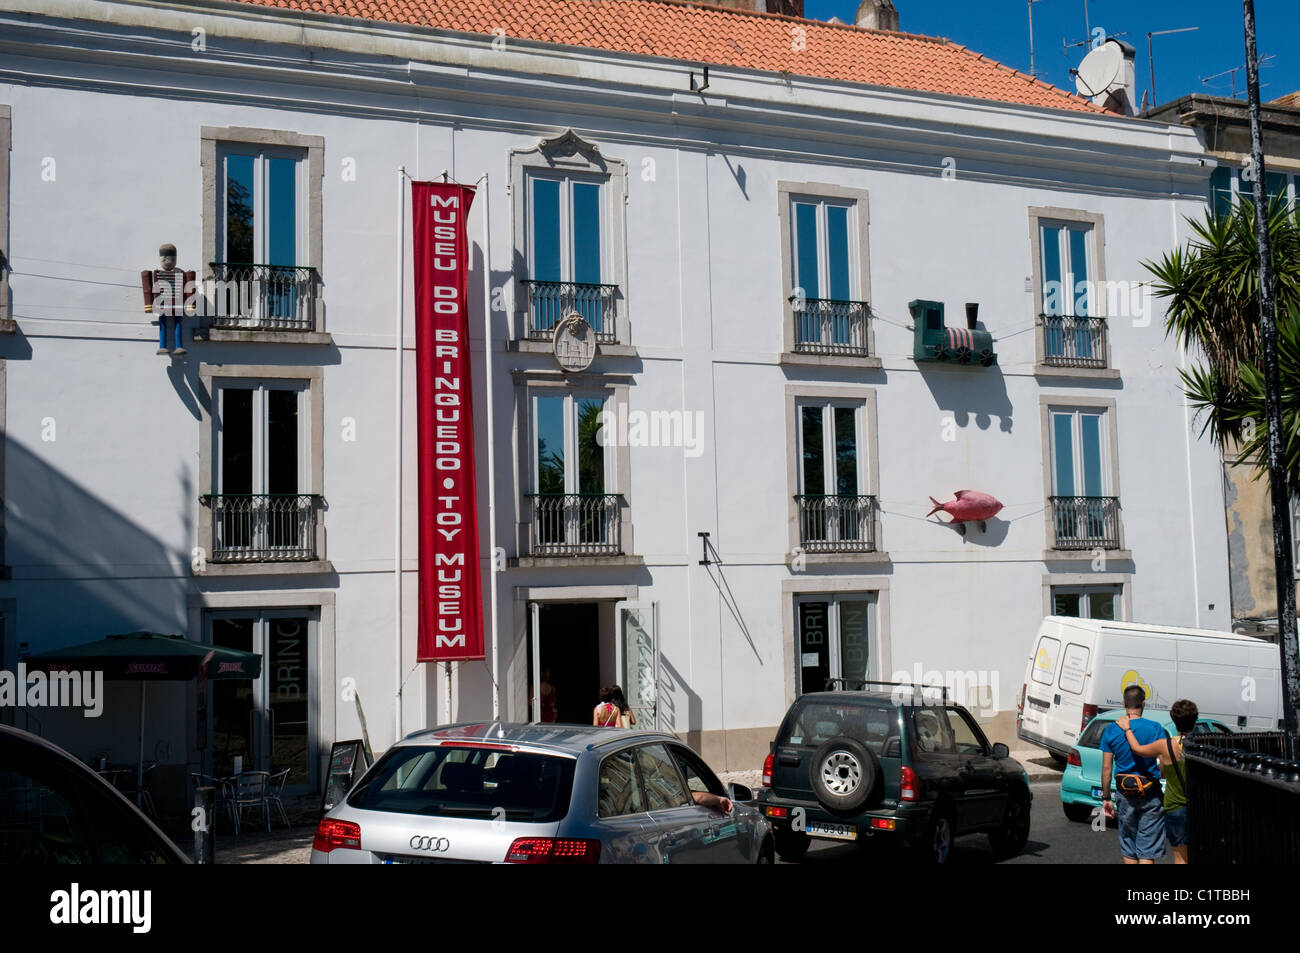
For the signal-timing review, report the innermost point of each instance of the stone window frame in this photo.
(569, 152)
(199, 604)
(7, 323)
(211, 138)
(1037, 216)
(617, 390)
(1074, 580)
(793, 588)
(314, 377)
(786, 192)
(1046, 404)
(868, 458)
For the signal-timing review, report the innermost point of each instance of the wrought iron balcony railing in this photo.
(837, 524)
(1085, 522)
(1074, 341)
(575, 524)
(550, 302)
(264, 297)
(267, 527)
(824, 326)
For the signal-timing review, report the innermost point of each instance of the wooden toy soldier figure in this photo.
(164, 296)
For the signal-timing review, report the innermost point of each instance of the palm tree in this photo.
(1213, 289)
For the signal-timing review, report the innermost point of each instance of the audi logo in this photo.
(439, 845)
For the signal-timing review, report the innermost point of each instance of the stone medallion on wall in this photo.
(574, 343)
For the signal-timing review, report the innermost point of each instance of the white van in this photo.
(1078, 668)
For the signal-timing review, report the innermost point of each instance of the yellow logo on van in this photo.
(1043, 661)
(1131, 677)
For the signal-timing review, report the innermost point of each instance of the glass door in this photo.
(835, 639)
(637, 661)
(268, 723)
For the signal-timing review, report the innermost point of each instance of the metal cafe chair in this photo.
(275, 790)
(129, 791)
(223, 797)
(250, 791)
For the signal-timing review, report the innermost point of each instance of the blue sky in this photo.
(1000, 30)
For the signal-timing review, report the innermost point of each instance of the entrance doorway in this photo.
(569, 652)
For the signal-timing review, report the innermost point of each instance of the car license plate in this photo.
(1096, 792)
(832, 831)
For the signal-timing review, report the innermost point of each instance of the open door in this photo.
(638, 659)
(535, 654)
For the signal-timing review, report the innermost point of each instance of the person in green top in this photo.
(1170, 752)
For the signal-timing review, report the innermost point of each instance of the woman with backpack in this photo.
(1170, 752)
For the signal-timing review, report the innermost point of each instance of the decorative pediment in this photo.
(569, 148)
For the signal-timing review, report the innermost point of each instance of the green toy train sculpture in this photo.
(933, 341)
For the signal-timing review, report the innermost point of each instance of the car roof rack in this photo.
(861, 684)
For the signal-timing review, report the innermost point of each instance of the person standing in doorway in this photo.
(627, 717)
(1137, 779)
(550, 703)
(607, 713)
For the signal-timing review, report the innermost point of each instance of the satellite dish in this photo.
(1100, 72)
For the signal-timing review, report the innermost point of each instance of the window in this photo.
(824, 246)
(7, 323)
(1084, 506)
(261, 456)
(1228, 183)
(620, 790)
(966, 739)
(1045, 659)
(262, 230)
(660, 779)
(569, 238)
(572, 510)
(1073, 335)
(699, 779)
(835, 638)
(1086, 602)
(1071, 292)
(835, 513)
(931, 732)
(1074, 668)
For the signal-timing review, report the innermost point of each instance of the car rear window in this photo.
(1091, 737)
(815, 723)
(468, 782)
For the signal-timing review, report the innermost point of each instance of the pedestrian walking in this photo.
(1137, 779)
(627, 717)
(607, 713)
(1170, 753)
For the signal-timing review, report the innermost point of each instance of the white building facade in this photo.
(746, 256)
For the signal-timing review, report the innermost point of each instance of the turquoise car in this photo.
(1081, 783)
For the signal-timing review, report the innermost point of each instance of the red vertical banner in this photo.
(451, 620)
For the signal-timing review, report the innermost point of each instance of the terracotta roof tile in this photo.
(703, 34)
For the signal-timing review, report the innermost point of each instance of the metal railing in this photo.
(1085, 522)
(1243, 806)
(837, 524)
(550, 302)
(264, 297)
(825, 326)
(267, 527)
(575, 524)
(1072, 341)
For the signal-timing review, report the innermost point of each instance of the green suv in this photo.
(891, 760)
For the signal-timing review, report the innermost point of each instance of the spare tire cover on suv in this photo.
(844, 774)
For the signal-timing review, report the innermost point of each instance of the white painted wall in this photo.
(101, 521)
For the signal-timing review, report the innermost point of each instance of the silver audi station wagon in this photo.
(542, 794)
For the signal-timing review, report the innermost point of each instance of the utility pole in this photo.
(1032, 71)
(1282, 544)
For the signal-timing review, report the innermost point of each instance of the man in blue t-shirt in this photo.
(1141, 819)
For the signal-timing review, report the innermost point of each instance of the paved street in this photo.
(1052, 840)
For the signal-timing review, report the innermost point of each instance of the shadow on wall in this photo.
(966, 391)
(672, 718)
(81, 571)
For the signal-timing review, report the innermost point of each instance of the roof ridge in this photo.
(764, 14)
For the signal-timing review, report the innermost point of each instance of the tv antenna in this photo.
(1232, 73)
(1151, 58)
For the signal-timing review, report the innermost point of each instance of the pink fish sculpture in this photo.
(970, 506)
